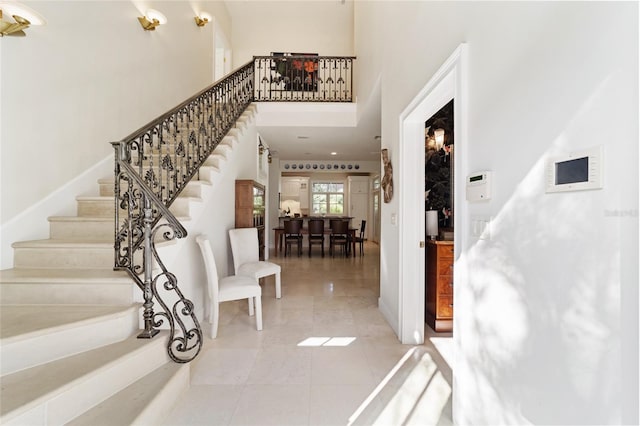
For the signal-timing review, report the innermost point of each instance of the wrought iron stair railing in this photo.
(155, 163)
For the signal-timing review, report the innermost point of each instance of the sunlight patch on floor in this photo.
(327, 341)
(444, 345)
(414, 392)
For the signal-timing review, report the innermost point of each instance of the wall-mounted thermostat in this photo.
(576, 171)
(479, 186)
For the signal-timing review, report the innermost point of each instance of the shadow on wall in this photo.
(542, 345)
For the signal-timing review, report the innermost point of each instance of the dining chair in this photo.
(246, 257)
(316, 233)
(292, 235)
(359, 239)
(339, 236)
(233, 287)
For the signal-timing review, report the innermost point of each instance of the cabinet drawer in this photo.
(445, 267)
(444, 307)
(445, 251)
(445, 286)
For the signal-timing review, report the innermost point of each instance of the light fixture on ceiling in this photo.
(202, 19)
(17, 19)
(438, 135)
(334, 153)
(152, 19)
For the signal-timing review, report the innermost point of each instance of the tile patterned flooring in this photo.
(325, 347)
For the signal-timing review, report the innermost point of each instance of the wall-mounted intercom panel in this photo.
(479, 186)
(576, 171)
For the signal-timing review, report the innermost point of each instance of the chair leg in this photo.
(251, 306)
(278, 287)
(213, 319)
(258, 313)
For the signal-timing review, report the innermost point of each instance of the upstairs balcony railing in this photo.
(303, 78)
(155, 163)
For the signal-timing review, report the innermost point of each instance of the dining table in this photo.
(279, 232)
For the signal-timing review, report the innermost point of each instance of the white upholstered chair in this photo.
(246, 260)
(228, 288)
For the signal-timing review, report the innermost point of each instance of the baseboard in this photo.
(391, 319)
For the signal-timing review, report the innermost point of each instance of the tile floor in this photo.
(325, 349)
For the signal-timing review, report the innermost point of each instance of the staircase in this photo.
(68, 321)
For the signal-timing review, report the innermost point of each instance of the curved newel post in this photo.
(149, 331)
(138, 235)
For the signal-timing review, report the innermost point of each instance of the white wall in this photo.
(89, 77)
(546, 326)
(262, 27)
(214, 216)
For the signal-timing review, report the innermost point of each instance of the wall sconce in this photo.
(438, 135)
(152, 19)
(260, 147)
(202, 19)
(23, 17)
(269, 156)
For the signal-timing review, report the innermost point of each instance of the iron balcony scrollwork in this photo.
(304, 78)
(152, 167)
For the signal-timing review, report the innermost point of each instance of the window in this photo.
(327, 198)
(376, 183)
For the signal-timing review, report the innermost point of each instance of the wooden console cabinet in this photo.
(250, 208)
(439, 285)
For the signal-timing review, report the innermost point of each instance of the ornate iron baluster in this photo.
(152, 167)
(303, 78)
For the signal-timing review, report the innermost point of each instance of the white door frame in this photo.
(449, 82)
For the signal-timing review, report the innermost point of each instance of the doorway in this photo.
(439, 213)
(449, 82)
(221, 55)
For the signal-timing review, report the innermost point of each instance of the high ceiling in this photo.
(325, 27)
